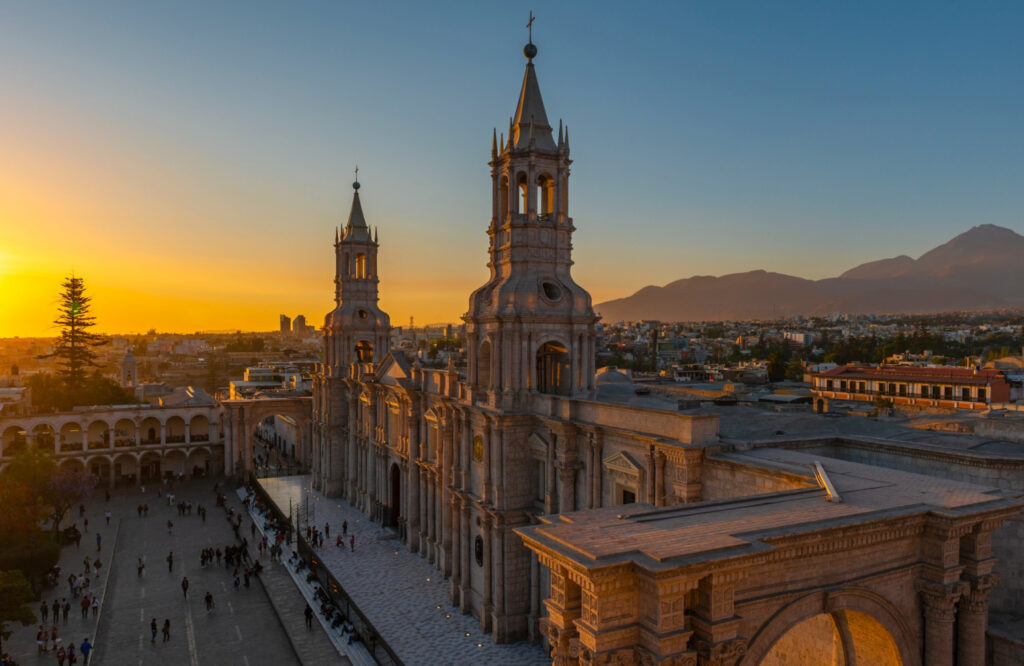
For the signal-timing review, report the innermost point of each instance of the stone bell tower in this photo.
(530, 328)
(355, 331)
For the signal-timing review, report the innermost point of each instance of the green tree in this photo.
(15, 593)
(57, 489)
(74, 351)
(795, 370)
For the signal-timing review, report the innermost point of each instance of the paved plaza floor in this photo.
(242, 629)
(401, 594)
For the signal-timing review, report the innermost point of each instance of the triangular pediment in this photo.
(393, 370)
(622, 462)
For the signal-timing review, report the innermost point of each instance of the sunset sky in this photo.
(190, 160)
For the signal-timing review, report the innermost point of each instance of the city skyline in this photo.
(191, 163)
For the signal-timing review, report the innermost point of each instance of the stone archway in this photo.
(853, 626)
(241, 418)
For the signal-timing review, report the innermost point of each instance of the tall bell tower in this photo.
(530, 328)
(356, 331)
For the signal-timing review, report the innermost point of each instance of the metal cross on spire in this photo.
(357, 172)
(529, 25)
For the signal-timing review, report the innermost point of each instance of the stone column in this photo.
(188, 433)
(454, 556)
(163, 431)
(566, 487)
(413, 490)
(498, 625)
(467, 548)
(565, 606)
(972, 621)
(939, 602)
(424, 507)
(659, 478)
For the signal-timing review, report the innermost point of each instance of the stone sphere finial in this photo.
(530, 51)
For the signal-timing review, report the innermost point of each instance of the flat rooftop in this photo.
(686, 534)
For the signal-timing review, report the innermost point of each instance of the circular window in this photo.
(552, 291)
(362, 314)
(478, 448)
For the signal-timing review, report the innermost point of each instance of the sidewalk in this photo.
(403, 595)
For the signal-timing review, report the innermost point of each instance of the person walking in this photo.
(352, 542)
(141, 565)
(152, 631)
(167, 630)
(344, 527)
(184, 586)
(72, 657)
(170, 562)
(56, 611)
(170, 527)
(86, 649)
(107, 516)
(85, 604)
(65, 608)
(95, 605)
(61, 655)
(99, 542)
(209, 601)
(309, 617)
(44, 611)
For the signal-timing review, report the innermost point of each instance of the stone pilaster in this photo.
(939, 603)
(972, 620)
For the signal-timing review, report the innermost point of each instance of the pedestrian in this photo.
(85, 606)
(54, 638)
(145, 510)
(352, 542)
(309, 616)
(56, 611)
(86, 649)
(81, 510)
(139, 510)
(61, 655)
(209, 601)
(99, 542)
(44, 611)
(86, 525)
(170, 562)
(237, 581)
(41, 640)
(72, 657)
(184, 586)
(107, 495)
(170, 527)
(65, 608)
(167, 630)
(344, 527)
(141, 565)
(152, 631)
(95, 605)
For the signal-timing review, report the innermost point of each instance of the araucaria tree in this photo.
(74, 348)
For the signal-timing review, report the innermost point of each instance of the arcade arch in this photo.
(553, 369)
(199, 429)
(175, 430)
(44, 438)
(150, 430)
(124, 433)
(98, 433)
(126, 469)
(71, 437)
(14, 440)
(174, 463)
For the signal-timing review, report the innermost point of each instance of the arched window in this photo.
(553, 371)
(360, 265)
(524, 194)
(348, 265)
(364, 350)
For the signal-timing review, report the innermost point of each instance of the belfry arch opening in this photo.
(545, 196)
(840, 638)
(361, 266)
(364, 351)
(524, 194)
(503, 199)
(553, 371)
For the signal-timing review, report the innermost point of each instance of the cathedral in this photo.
(456, 459)
(565, 505)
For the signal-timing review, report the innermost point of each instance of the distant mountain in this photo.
(980, 269)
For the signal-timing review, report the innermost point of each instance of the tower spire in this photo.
(531, 107)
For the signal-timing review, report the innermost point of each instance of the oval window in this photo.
(552, 291)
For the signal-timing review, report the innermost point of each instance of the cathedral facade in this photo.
(456, 459)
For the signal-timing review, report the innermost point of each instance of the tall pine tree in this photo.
(74, 348)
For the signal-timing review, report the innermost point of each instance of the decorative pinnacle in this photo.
(355, 184)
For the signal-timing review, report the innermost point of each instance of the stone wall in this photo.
(724, 479)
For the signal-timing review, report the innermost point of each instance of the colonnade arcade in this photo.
(121, 448)
(241, 418)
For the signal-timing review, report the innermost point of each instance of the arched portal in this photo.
(175, 430)
(835, 639)
(99, 435)
(395, 514)
(553, 371)
(150, 429)
(124, 433)
(71, 437)
(150, 466)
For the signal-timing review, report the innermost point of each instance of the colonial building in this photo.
(951, 388)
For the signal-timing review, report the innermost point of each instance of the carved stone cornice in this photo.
(724, 653)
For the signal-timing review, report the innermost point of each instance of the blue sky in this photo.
(708, 138)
